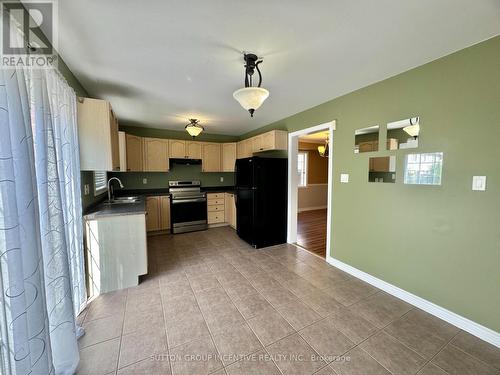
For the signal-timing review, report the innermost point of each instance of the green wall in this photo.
(159, 180)
(175, 134)
(441, 243)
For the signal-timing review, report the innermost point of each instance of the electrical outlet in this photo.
(344, 178)
(222, 179)
(479, 183)
(86, 189)
(144, 181)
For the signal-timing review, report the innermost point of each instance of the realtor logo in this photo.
(28, 33)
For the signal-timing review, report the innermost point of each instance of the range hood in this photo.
(186, 161)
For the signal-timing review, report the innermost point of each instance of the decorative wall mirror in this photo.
(366, 139)
(382, 169)
(403, 134)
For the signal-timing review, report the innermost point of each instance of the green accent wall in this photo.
(159, 180)
(441, 243)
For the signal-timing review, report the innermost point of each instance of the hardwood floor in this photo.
(311, 231)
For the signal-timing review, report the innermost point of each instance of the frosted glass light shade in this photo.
(194, 130)
(251, 98)
(412, 130)
(321, 150)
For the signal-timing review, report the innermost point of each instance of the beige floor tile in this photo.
(381, 309)
(150, 318)
(221, 316)
(240, 290)
(235, 342)
(186, 328)
(294, 356)
(298, 314)
(392, 354)
(151, 366)
(195, 357)
(210, 297)
(175, 290)
(99, 359)
(270, 327)
(100, 330)
(278, 296)
(259, 363)
(353, 326)
(456, 362)
(326, 340)
(252, 305)
(430, 369)
(422, 332)
(351, 291)
(203, 282)
(142, 344)
(180, 306)
(322, 303)
(356, 362)
(106, 305)
(478, 348)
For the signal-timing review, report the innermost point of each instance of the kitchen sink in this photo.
(122, 200)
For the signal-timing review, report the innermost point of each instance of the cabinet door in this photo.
(134, 153)
(193, 150)
(247, 145)
(232, 204)
(122, 142)
(228, 157)
(155, 155)
(153, 216)
(365, 146)
(268, 141)
(164, 212)
(380, 164)
(177, 148)
(257, 143)
(211, 157)
(115, 143)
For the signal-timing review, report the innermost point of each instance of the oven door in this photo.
(188, 214)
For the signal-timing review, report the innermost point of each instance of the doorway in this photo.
(309, 188)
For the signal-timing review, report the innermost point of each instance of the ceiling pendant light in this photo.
(250, 97)
(414, 128)
(194, 128)
(324, 150)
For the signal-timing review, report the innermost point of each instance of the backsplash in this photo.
(158, 180)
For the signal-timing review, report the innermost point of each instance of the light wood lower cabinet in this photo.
(230, 209)
(156, 155)
(134, 153)
(158, 213)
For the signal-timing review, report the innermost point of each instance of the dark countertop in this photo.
(104, 210)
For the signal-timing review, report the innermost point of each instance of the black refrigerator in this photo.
(261, 200)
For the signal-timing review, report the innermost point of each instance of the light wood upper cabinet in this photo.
(98, 135)
(194, 149)
(134, 153)
(211, 158)
(122, 142)
(156, 155)
(177, 149)
(228, 157)
(272, 140)
(164, 212)
(153, 216)
(257, 143)
(245, 148)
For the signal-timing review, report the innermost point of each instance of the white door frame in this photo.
(293, 181)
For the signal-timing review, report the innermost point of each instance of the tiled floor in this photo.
(212, 304)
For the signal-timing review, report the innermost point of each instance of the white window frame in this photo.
(100, 182)
(305, 175)
(419, 169)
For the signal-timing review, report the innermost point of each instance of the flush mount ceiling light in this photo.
(194, 128)
(250, 97)
(324, 150)
(414, 128)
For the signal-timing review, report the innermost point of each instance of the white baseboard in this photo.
(459, 321)
(312, 208)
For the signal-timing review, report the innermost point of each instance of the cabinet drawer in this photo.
(215, 202)
(215, 196)
(214, 208)
(215, 217)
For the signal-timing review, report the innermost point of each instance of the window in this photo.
(423, 169)
(302, 168)
(100, 182)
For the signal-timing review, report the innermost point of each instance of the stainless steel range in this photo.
(188, 209)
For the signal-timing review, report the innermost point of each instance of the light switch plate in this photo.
(344, 178)
(479, 183)
(86, 189)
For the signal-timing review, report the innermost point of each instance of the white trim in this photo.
(293, 148)
(324, 184)
(459, 321)
(312, 208)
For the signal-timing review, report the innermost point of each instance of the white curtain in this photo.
(41, 257)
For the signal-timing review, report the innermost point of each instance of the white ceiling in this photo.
(161, 62)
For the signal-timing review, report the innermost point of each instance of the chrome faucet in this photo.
(110, 191)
